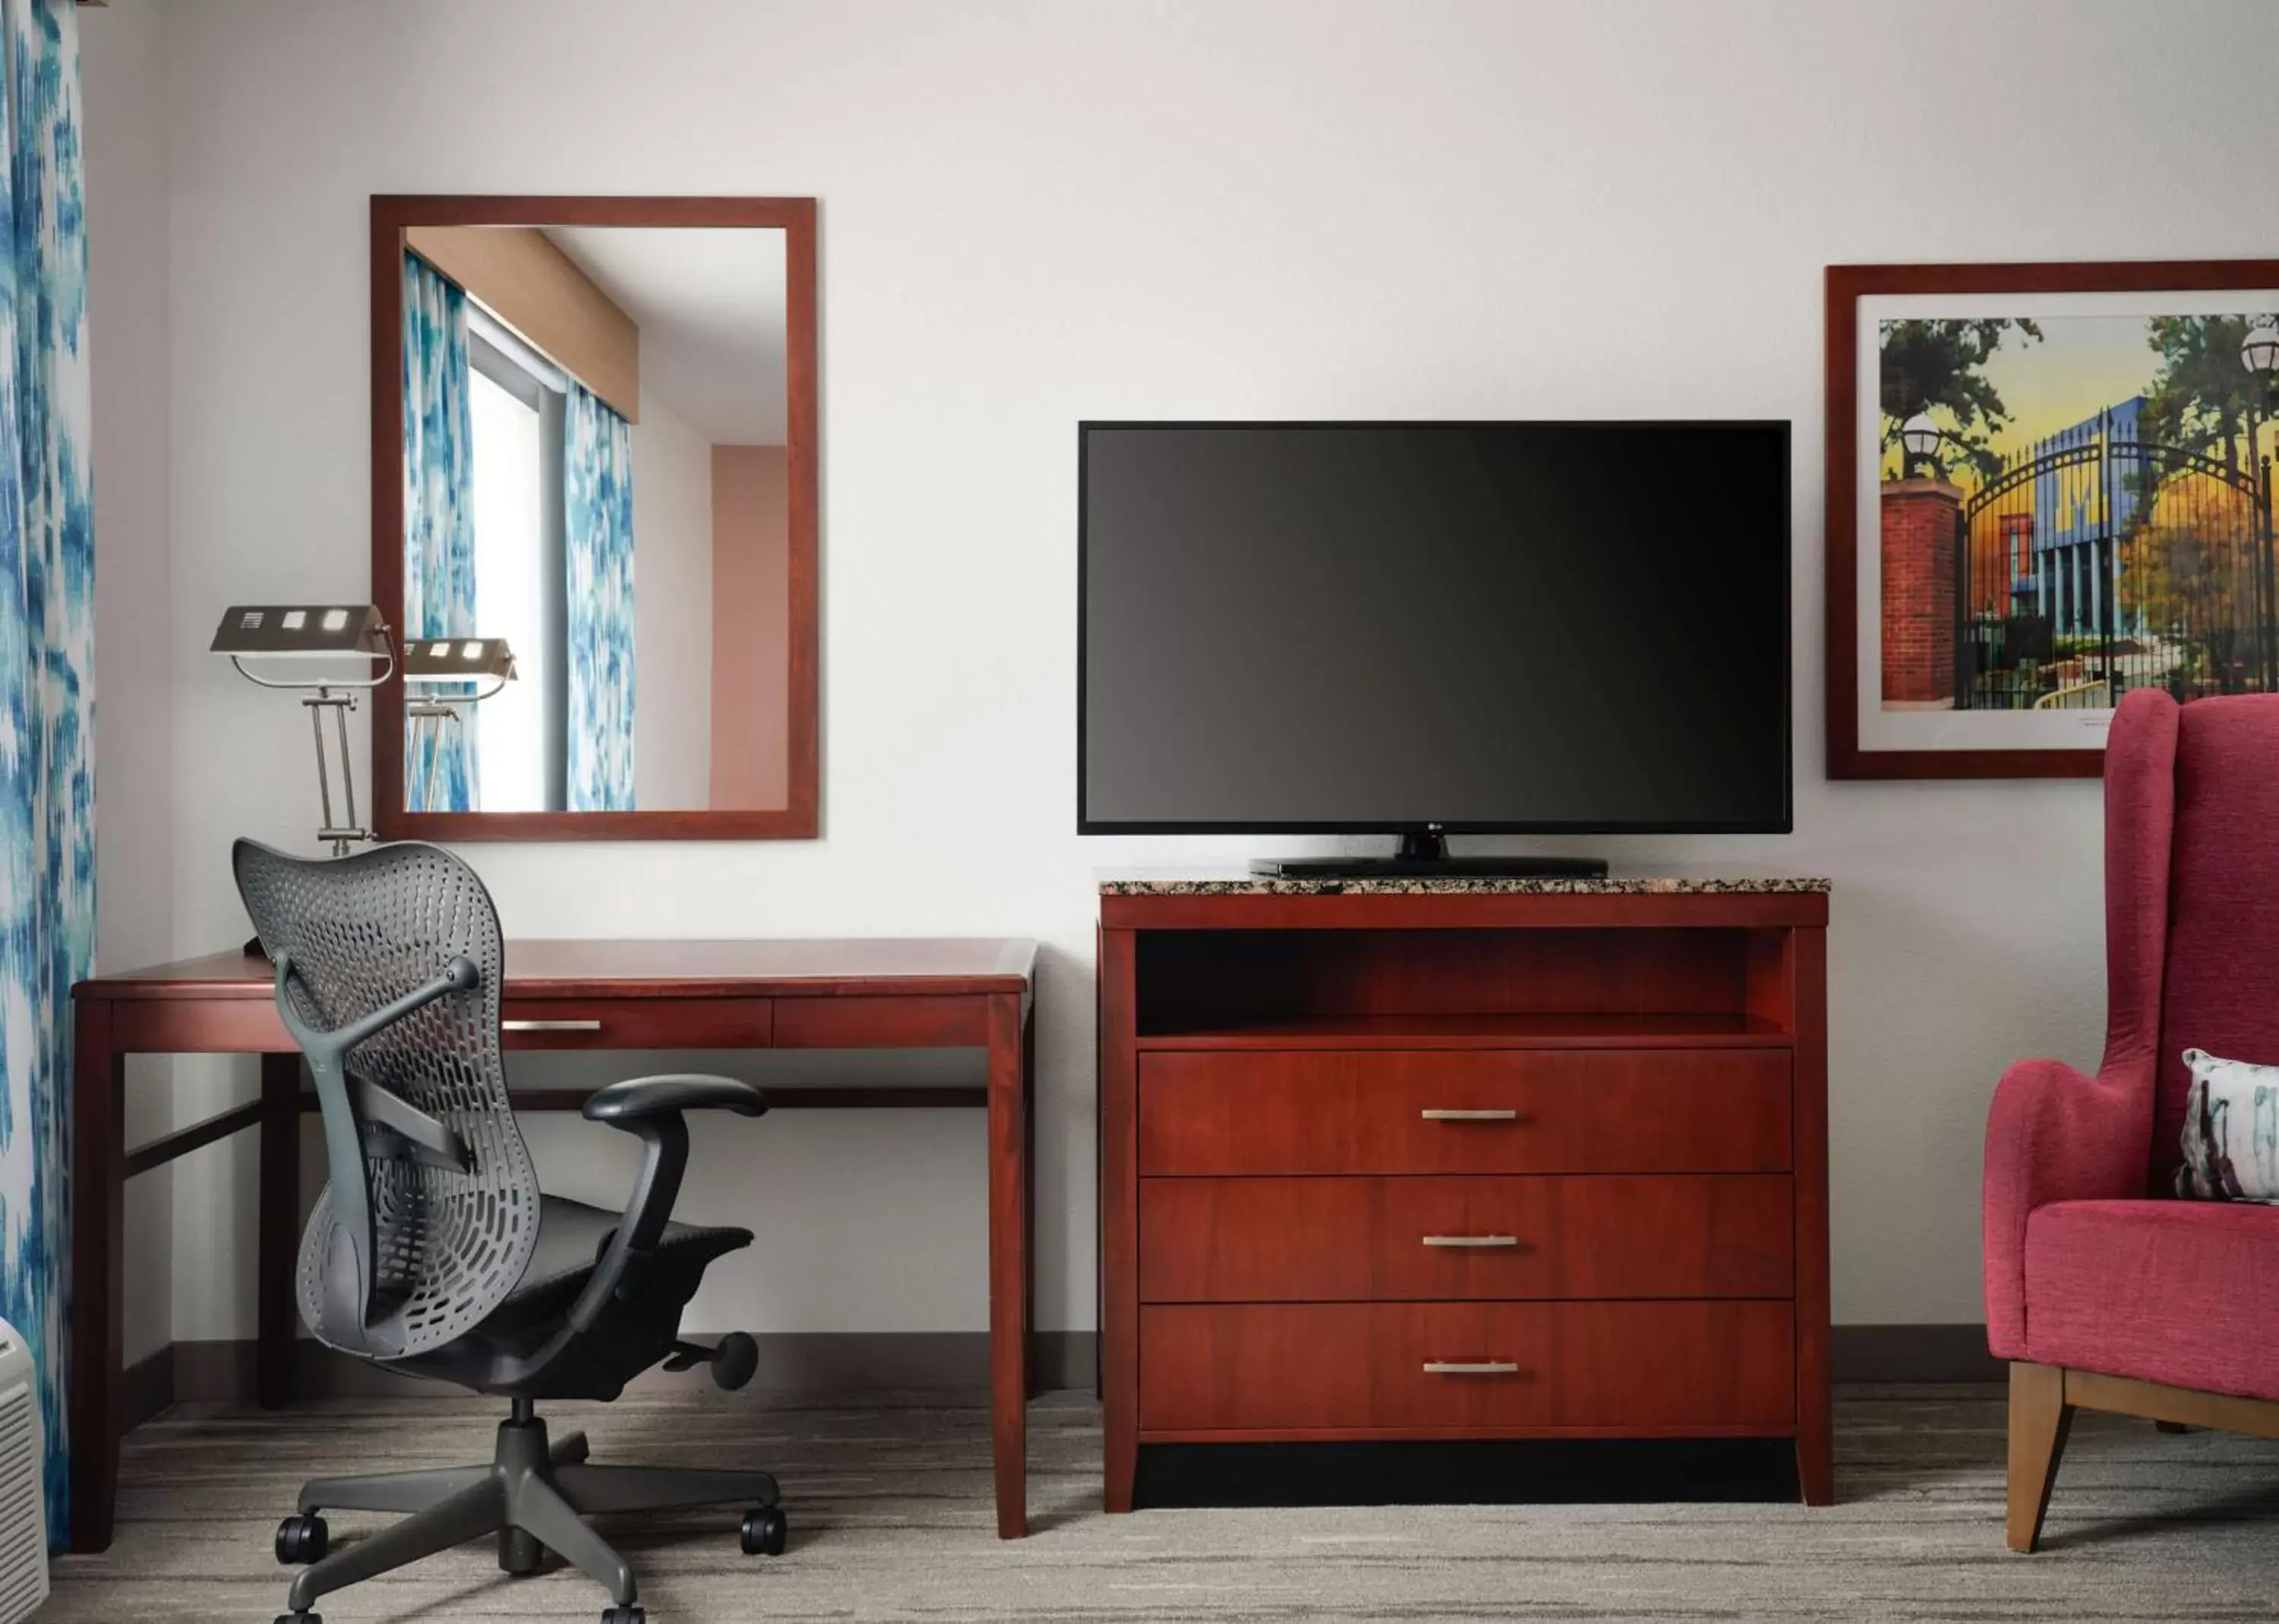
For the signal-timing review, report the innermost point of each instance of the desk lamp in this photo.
(442, 675)
(263, 633)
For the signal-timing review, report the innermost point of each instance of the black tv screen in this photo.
(1564, 627)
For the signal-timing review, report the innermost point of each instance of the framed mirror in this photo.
(593, 492)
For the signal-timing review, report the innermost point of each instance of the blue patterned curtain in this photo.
(598, 545)
(439, 521)
(47, 682)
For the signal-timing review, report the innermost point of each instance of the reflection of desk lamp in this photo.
(441, 677)
(265, 633)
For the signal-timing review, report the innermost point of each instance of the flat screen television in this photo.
(1423, 628)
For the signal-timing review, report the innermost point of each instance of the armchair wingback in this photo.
(2102, 1290)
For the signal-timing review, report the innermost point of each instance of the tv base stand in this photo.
(1428, 867)
(1424, 855)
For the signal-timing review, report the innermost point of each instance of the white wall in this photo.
(672, 612)
(1033, 214)
(124, 111)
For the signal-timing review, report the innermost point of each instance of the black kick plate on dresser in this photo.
(1468, 1471)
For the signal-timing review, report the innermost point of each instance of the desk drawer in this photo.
(1242, 1240)
(1535, 1111)
(1362, 1369)
(878, 1022)
(639, 1024)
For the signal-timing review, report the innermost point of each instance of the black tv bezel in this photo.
(1086, 824)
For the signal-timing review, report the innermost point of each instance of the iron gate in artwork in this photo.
(2096, 563)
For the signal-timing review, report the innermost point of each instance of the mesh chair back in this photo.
(447, 1245)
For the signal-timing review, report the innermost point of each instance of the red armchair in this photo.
(2103, 1291)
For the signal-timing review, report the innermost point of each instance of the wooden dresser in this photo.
(1463, 1159)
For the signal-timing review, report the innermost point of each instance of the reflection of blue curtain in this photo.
(598, 546)
(47, 681)
(439, 522)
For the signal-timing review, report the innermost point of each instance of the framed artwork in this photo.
(2047, 484)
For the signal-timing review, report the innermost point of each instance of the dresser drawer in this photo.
(1477, 1370)
(1261, 1240)
(1528, 1111)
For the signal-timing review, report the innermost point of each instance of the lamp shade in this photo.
(305, 631)
(1919, 435)
(456, 659)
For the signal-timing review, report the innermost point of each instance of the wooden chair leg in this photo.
(2039, 1419)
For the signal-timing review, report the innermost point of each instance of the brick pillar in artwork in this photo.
(1919, 524)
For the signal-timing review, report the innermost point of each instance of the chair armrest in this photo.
(2054, 1134)
(680, 1090)
(650, 1108)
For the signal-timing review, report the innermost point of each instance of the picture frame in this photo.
(2046, 484)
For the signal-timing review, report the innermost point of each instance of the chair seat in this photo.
(571, 1237)
(2174, 1291)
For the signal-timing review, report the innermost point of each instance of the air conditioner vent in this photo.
(23, 1512)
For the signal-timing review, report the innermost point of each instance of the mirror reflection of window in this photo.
(515, 398)
(512, 766)
(626, 477)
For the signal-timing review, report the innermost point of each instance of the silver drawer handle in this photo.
(1486, 1367)
(1433, 1113)
(549, 1026)
(1471, 1240)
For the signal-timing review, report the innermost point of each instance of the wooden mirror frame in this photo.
(794, 216)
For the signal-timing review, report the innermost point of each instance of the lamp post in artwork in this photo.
(1922, 578)
(2259, 353)
(1919, 439)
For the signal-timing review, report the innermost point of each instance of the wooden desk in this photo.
(852, 994)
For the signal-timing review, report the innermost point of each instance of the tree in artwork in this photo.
(2202, 398)
(1939, 367)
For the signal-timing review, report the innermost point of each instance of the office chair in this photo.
(432, 1249)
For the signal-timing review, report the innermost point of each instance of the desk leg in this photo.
(98, 1209)
(1008, 1263)
(281, 1213)
(1029, 1198)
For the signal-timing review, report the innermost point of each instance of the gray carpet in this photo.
(891, 1517)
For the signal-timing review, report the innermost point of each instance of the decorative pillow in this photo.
(2231, 1130)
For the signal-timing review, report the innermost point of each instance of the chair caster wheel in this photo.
(733, 1365)
(766, 1530)
(300, 1618)
(300, 1541)
(625, 1615)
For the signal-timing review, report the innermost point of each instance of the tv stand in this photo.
(1602, 1107)
(1424, 854)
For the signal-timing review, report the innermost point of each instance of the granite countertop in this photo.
(1261, 885)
